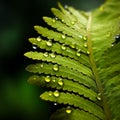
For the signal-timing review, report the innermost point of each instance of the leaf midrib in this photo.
(94, 69)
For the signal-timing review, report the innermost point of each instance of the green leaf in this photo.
(62, 71)
(61, 49)
(50, 34)
(66, 98)
(79, 58)
(64, 61)
(64, 84)
(62, 114)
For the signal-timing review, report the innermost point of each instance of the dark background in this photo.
(19, 99)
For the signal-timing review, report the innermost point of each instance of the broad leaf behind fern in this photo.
(80, 62)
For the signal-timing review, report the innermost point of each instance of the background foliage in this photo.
(18, 99)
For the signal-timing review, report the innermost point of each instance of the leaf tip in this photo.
(36, 27)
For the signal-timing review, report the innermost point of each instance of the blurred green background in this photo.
(18, 99)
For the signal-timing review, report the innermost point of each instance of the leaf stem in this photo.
(95, 72)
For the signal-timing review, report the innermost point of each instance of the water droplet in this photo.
(68, 110)
(52, 55)
(63, 36)
(47, 79)
(88, 52)
(85, 45)
(99, 96)
(56, 93)
(56, 18)
(66, 6)
(49, 43)
(60, 82)
(80, 36)
(53, 20)
(73, 22)
(34, 47)
(112, 45)
(46, 54)
(85, 38)
(53, 80)
(117, 39)
(78, 53)
(39, 39)
(63, 20)
(50, 93)
(55, 104)
(56, 67)
(41, 65)
(73, 45)
(63, 47)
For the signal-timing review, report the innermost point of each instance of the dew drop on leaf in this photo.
(78, 53)
(56, 18)
(49, 43)
(63, 36)
(47, 79)
(41, 65)
(73, 45)
(68, 110)
(60, 82)
(53, 20)
(46, 54)
(56, 93)
(39, 39)
(73, 22)
(56, 67)
(85, 45)
(53, 80)
(88, 52)
(112, 45)
(34, 47)
(63, 20)
(52, 55)
(63, 47)
(66, 6)
(50, 93)
(117, 38)
(85, 38)
(99, 96)
(80, 36)
(55, 104)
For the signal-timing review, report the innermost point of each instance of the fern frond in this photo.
(70, 113)
(66, 98)
(61, 38)
(64, 84)
(79, 58)
(63, 49)
(64, 61)
(65, 72)
(111, 80)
